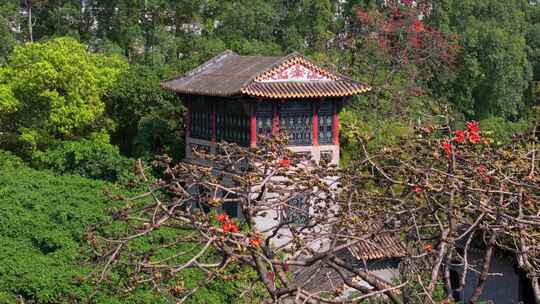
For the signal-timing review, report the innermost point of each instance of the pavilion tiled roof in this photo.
(229, 74)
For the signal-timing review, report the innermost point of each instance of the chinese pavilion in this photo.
(238, 99)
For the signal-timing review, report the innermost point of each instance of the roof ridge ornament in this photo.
(296, 68)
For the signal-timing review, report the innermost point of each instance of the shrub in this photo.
(8, 159)
(91, 159)
(501, 130)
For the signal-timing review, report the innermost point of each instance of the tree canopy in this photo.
(55, 89)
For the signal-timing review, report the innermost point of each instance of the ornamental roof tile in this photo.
(292, 76)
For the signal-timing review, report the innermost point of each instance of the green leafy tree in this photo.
(494, 71)
(137, 99)
(54, 90)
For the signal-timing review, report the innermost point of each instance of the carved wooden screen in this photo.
(296, 211)
(201, 126)
(264, 115)
(232, 124)
(325, 122)
(296, 119)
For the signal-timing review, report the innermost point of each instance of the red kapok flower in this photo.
(229, 227)
(407, 2)
(224, 217)
(447, 147)
(364, 16)
(255, 241)
(474, 137)
(285, 162)
(460, 136)
(481, 169)
(428, 248)
(418, 26)
(396, 13)
(417, 189)
(473, 126)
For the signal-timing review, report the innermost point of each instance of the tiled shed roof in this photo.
(229, 74)
(380, 246)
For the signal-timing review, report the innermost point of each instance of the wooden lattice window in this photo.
(296, 120)
(264, 115)
(201, 121)
(325, 123)
(232, 125)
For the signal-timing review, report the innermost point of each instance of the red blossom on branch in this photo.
(255, 241)
(224, 217)
(418, 26)
(460, 136)
(364, 16)
(474, 137)
(285, 162)
(447, 147)
(230, 227)
(473, 126)
(417, 189)
(407, 2)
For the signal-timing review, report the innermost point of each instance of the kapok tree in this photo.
(452, 191)
(443, 192)
(397, 51)
(178, 227)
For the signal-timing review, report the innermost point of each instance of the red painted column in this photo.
(275, 117)
(213, 122)
(335, 123)
(252, 127)
(315, 123)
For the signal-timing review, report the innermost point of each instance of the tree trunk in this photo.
(29, 10)
(485, 270)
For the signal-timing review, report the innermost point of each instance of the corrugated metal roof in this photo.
(229, 74)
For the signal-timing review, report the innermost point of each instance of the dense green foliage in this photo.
(86, 158)
(43, 223)
(45, 257)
